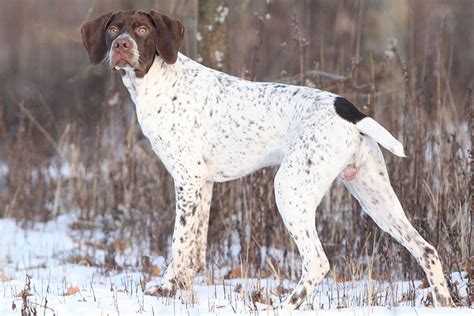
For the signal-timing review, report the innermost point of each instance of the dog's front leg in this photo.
(188, 223)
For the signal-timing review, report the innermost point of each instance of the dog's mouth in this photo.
(119, 61)
(122, 63)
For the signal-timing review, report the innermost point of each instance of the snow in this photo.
(43, 253)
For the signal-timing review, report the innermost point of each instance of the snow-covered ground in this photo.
(45, 254)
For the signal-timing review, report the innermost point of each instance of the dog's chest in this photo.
(162, 117)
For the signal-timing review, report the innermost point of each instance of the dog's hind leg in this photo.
(371, 187)
(302, 180)
(297, 204)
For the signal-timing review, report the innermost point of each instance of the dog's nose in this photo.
(122, 45)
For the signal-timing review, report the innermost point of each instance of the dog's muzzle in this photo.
(123, 52)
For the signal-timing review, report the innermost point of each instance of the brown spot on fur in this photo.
(182, 220)
(303, 293)
(429, 251)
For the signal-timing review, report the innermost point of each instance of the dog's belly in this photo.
(231, 152)
(245, 134)
(227, 165)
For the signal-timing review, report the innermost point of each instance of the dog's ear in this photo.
(93, 37)
(170, 33)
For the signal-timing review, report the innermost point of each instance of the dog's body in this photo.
(209, 127)
(222, 127)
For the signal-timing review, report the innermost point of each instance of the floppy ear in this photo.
(170, 34)
(93, 38)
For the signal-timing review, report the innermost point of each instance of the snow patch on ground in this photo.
(42, 252)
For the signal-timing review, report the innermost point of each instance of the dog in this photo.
(207, 126)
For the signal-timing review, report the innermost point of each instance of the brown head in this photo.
(131, 39)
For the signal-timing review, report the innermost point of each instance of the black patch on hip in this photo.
(347, 110)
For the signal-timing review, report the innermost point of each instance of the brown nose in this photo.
(122, 45)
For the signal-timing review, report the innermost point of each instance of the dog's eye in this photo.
(112, 30)
(142, 30)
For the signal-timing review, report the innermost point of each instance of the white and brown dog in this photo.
(207, 126)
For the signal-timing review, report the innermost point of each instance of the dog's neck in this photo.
(160, 73)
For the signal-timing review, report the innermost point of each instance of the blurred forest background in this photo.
(69, 140)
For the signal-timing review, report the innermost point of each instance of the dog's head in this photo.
(131, 39)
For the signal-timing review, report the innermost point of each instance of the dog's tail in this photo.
(368, 126)
(373, 129)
